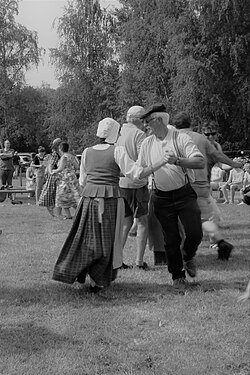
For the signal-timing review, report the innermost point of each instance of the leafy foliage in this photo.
(87, 71)
(18, 52)
(194, 55)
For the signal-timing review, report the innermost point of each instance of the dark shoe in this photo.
(95, 289)
(224, 250)
(190, 267)
(125, 267)
(160, 258)
(180, 284)
(143, 267)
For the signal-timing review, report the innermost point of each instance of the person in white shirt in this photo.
(234, 183)
(246, 183)
(217, 175)
(173, 197)
(94, 245)
(135, 193)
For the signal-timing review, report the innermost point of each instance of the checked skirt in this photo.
(88, 249)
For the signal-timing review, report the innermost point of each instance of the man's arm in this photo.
(195, 162)
(221, 157)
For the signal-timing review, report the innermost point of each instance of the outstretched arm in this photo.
(221, 157)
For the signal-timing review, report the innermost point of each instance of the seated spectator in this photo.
(233, 184)
(217, 177)
(246, 183)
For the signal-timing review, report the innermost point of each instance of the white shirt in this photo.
(168, 177)
(127, 166)
(131, 138)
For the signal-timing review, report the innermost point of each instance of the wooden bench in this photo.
(4, 193)
(16, 191)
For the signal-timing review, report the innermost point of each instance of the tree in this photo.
(193, 55)
(18, 51)
(224, 76)
(86, 68)
(28, 107)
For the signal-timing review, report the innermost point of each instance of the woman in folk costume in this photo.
(68, 188)
(94, 244)
(48, 194)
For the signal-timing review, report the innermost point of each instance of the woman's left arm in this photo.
(62, 164)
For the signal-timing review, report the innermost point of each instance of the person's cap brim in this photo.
(154, 108)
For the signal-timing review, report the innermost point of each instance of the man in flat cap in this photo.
(136, 194)
(173, 197)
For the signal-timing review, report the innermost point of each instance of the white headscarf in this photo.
(108, 129)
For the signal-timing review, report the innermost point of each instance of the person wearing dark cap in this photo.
(173, 197)
(201, 184)
(48, 195)
(39, 166)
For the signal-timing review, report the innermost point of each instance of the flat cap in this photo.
(159, 107)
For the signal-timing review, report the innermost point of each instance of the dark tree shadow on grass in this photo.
(27, 338)
(233, 226)
(210, 261)
(120, 292)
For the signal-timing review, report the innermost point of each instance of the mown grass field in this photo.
(138, 326)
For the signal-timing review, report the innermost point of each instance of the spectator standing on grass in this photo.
(135, 193)
(48, 195)
(94, 243)
(68, 188)
(39, 166)
(173, 197)
(16, 163)
(6, 165)
(201, 184)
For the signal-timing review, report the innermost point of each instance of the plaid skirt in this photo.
(89, 246)
(48, 194)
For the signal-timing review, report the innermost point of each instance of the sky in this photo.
(39, 15)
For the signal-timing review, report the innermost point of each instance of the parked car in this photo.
(79, 157)
(25, 160)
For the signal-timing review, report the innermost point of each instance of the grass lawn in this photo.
(138, 326)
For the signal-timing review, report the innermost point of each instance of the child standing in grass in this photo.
(30, 181)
